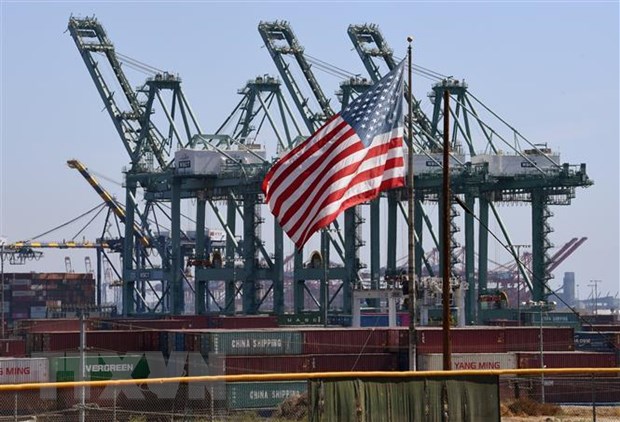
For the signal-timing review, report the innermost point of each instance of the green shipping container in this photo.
(98, 368)
(256, 343)
(262, 395)
(555, 319)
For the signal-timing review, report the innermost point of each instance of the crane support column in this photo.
(299, 283)
(249, 254)
(278, 271)
(176, 281)
(128, 251)
(375, 247)
(540, 244)
(483, 245)
(231, 285)
(470, 300)
(418, 225)
(199, 252)
(351, 253)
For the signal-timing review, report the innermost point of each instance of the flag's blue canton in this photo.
(379, 109)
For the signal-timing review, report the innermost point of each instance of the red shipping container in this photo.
(602, 328)
(345, 340)
(12, 348)
(528, 339)
(526, 360)
(464, 340)
(51, 325)
(236, 365)
(240, 322)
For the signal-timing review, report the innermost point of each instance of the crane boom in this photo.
(110, 201)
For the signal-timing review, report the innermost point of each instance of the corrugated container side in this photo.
(468, 361)
(236, 365)
(23, 370)
(244, 322)
(597, 341)
(525, 339)
(464, 340)
(98, 367)
(567, 360)
(350, 340)
(262, 395)
(12, 348)
(602, 327)
(256, 342)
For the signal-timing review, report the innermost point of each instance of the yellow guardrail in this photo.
(310, 375)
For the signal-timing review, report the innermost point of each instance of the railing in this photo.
(263, 396)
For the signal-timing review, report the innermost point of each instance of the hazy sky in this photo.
(550, 69)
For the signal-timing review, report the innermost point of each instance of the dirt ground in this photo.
(572, 414)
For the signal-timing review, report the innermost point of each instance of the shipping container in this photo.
(244, 322)
(111, 341)
(528, 339)
(98, 367)
(265, 342)
(602, 327)
(464, 340)
(262, 395)
(349, 340)
(557, 319)
(594, 341)
(237, 365)
(306, 318)
(23, 370)
(51, 325)
(468, 361)
(12, 348)
(528, 360)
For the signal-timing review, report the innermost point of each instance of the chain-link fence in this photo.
(281, 397)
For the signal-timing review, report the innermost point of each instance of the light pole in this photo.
(542, 358)
(595, 285)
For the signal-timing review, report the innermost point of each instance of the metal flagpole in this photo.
(411, 231)
(447, 346)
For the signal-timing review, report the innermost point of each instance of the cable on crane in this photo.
(147, 67)
(103, 204)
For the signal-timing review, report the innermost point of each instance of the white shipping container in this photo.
(432, 163)
(514, 165)
(200, 162)
(23, 370)
(468, 361)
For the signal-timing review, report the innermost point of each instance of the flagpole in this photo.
(411, 231)
(447, 265)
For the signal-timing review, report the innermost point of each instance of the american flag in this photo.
(352, 158)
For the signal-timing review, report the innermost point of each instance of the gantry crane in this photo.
(543, 182)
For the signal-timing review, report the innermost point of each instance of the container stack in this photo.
(32, 295)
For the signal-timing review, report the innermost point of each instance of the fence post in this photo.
(114, 405)
(15, 408)
(593, 399)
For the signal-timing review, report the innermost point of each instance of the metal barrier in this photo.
(261, 396)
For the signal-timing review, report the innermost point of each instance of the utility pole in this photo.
(82, 366)
(447, 267)
(595, 285)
